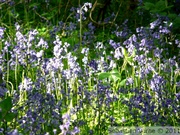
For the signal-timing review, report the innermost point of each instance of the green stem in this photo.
(80, 40)
(16, 70)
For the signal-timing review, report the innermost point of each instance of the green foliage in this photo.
(43, 18)
(103, 76)
(113, 76)
(163, 8)
(176, 22)
(5, 114)
(160, 7)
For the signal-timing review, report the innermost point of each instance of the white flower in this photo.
(85, 9)
(39, 54)
(88, 4)
(99, 45)
(78, 11)
(85, 60)
(85, 51)
(112, 64)
(42, 43)
(118, 54)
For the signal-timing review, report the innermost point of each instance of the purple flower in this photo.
(157, 83)
(178, 96)
(7, 45)
(91, 26)
(14, 132)
(75, 131)
(114, 44)
(2, 32)
(157, 52)
(31, 35)
(156, 35)
(26, 85)
(141, 59)
(155, 23)
(3, 91)
(43, 44)
(93, 64)
(164, 30)
(65, 127)
(129, 81)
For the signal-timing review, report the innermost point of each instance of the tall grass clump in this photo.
(69, 79)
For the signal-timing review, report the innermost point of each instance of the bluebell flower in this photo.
(42, 44)
(157, 83)
(75, 131)
(2, 32)
(6, 47)
(65, 127)
(26, 84)
(157, 53)
(139, 29)
(118, 53)
(154, 24)
(164, 30)
(14, 132)
(91, 26)
(141, 59)
(114, 44)
(20, 37)
(39, 54)
(31, 35)
(93, 64)
(3, 1)
(85, 60)
(178, 84)
(85, 51)
(129, 81)
(156, 35)
(72, 26)
(3, 91)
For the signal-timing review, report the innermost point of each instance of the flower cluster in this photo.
(65, 128)
(39, 108)
(58, 87)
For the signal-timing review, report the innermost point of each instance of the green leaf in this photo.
(133, 53)
(1, 116)
(34, 5)
(160, 5)
(104, 75)
(123, 82)
(90, 88)
(105, 83)
(154, 10)
(176, 20)
(130, 60)
(124, 52)
(6, 104)
(115, 75)
(115, 72)
(9, 117)
(172, 16)
(169, 7)
(148, 5)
